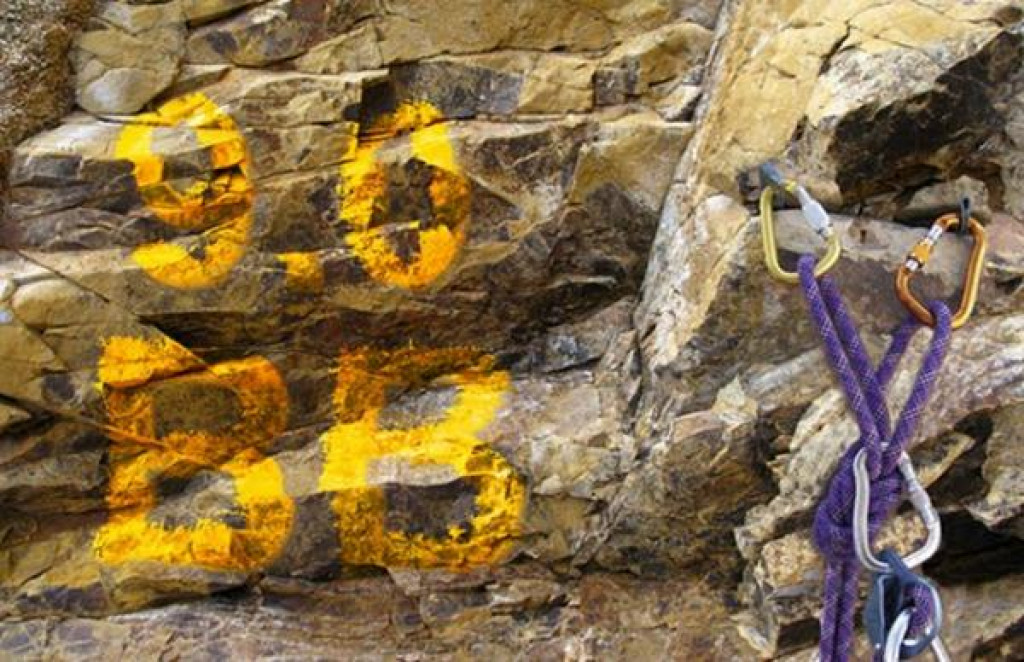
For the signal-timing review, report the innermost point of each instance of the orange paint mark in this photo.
(220, 207)
(364, 191)
(245, 402)
(303, 271)
(358, 443)
(127, 362)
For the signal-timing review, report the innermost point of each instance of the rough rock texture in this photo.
(370, 330)
(35, 89)
(128, 54)
(855, 96)
(273, 31)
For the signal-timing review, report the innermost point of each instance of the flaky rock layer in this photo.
(362, 329)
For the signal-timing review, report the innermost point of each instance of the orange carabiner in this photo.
(918, 257)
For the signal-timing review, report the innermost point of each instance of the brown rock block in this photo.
(128, 55)
(192, 77)
(913, 132)
(267, 201)
(202, 11)
(271, 32)
(54, 467)
(52, 339)
(285, 99)
(11, 415)
(1003, 502)
(1010, 160)
(669, 507)
(36, 88)
(411, 31)
(58, 575)
(676, 51)
(655, 620)
(356, 50)
(370, 617)
(213, 472)
(498, 84)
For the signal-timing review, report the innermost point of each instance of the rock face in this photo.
(35, 89)
(127, 55)
(362, 329)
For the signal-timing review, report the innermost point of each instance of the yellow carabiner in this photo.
(813, 212)
(918, 257)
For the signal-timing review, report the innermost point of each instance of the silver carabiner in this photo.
(918, 497)
(897, 637)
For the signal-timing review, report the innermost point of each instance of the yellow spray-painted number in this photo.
(220, 207)
(171, 417)
(363, 452)
(363, 191)
(169, 427)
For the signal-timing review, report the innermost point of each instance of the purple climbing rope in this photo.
(864, 387)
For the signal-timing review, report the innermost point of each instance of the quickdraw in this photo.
(903, 614)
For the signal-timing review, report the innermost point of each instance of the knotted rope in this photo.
(864, 387)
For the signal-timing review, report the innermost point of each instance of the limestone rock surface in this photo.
(127, 54)
(259, 36)
(399, 329)
(36, 88)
